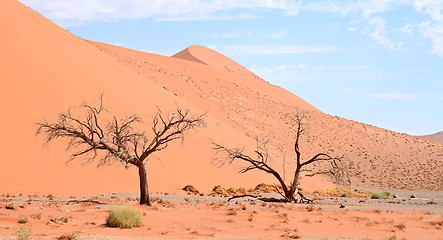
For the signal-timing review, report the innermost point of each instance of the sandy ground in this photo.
(46, 69)
(204, 217)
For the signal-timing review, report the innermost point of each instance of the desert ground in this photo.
(182, 216)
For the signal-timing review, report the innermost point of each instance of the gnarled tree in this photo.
(321, 163)
(93, 137)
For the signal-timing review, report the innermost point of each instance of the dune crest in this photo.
(186, 55)
(212, 58)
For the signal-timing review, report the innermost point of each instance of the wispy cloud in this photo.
(69, 12)
(66, 12)
(270, 49)
(378, 33)
(397, 96)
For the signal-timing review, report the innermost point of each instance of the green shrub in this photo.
(347, 195)
(412, 196)
(383, 195)
(23, 233)
(344, 192)
(376, 196)
(124, 217)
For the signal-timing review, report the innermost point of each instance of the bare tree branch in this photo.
(118, 141)
(336, 167)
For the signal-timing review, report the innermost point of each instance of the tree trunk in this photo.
(144, 190)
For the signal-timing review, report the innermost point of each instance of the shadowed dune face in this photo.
(45, 69)
(436, 137)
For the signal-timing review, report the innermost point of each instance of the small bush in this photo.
(231, 191)
(376, 196)
(265, 188)
(59, 220)
(383, 195)
(412, 196)
(22, 219)
(219, 190)
(310, 208)
(23, 233)
(124, 217)
(401, 226)
(344, 192)
(232, 212)
(10, 206)
(294, 236)
(241, 190)
(66, 236)
(50, 197)
(36, 216)
(191, 189)
(346, 195)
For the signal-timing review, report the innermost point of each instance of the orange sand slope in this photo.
(45, 69)
(379, 158)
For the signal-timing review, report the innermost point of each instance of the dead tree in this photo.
(116, 140)
(326, 164)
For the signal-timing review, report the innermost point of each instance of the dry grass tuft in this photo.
(23, 233)
(401, 226)
(191, 190)
(124, 217)
(68, 236)
(10, 206)
(265, 188)
(232, 212)
(22, 219)
(219, 190)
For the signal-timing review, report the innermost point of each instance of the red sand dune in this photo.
(45, 69)
(380, 158)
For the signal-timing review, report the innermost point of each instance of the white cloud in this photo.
(397, 96)
(378, 33)
(432, 30)
(408, 29)
(76, 12)
(66, 12)
(270, 49)
(368, 10)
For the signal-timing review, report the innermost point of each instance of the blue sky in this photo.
(377, 62)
